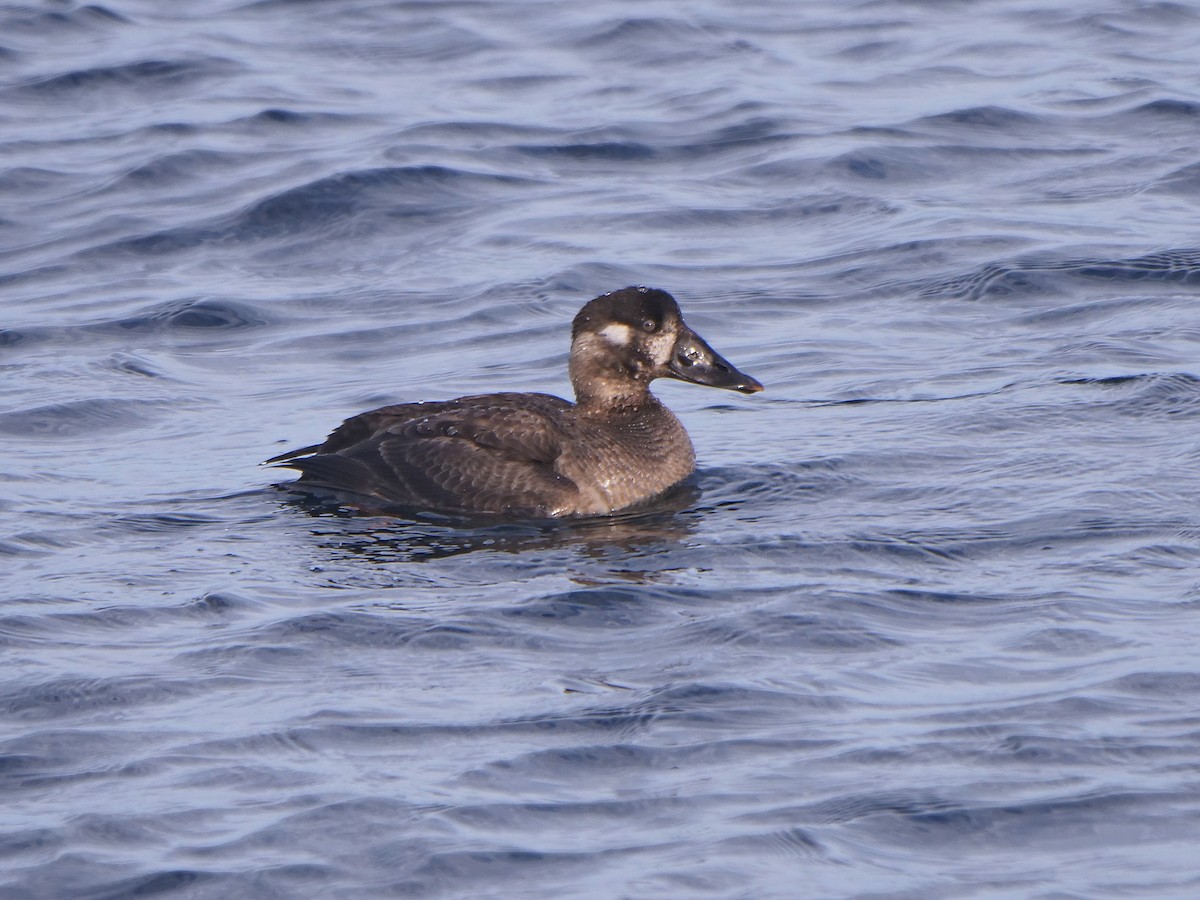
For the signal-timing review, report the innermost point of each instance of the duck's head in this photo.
(623, 340)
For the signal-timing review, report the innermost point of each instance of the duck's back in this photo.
(490, 453)
(523, 454)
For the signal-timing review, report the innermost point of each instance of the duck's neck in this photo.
(604, 383)
(613, 398)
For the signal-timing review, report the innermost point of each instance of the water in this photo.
(925, 624)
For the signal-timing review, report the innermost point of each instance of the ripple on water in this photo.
(103, 84)
(82, 418)
(1041, 274)
(201, 313)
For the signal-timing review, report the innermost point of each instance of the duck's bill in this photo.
(695, 361)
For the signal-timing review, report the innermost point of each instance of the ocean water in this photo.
(924, 625)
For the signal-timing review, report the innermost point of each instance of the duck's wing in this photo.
(493, 454)
(358, 428)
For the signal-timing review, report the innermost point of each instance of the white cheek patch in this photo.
(661, 346)
(617, 334)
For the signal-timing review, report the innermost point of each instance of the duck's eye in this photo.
(649, 326)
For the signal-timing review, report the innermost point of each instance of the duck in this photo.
(534, 455)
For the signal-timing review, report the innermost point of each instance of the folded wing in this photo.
(491, 454)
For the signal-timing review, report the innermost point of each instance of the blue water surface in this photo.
(926, 623)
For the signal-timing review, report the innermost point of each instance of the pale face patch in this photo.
(660, 346)
(617, 334)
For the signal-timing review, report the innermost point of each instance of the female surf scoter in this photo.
(535, 455)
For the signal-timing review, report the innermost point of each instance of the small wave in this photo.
(145, 79)
(646, 37)
(157, 243)
(760, 484)
(11, 337)
(1037, 274)
(174, 168)
(1149, 395)
(187, 315)
(30, 179)
(1070, 820)
(81, 418)
(1171, 686)
(998, 118)
(162, 522)
(1169, 107)
(1185, 180)
(604, 150)
(910, 165)
(1065, 642)
(29, 20)
(279, 116)
(831, 205)
(421, 192)
(687, 140)
(67, 696)
(154, 884)
(600, 607)
(101, 623)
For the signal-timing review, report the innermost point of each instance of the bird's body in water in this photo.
(535, 455)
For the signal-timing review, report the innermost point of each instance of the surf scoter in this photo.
(535, 455)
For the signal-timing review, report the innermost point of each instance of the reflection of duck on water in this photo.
(643, 532)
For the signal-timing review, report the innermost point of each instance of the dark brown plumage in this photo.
(535, 455)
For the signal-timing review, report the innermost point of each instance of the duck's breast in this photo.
(619, 462)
